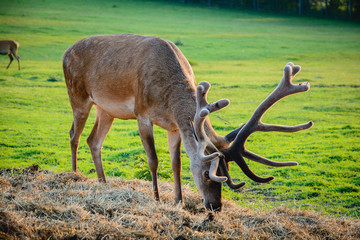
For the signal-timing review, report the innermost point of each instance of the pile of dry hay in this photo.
(45, 205)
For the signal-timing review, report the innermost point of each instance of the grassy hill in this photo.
(240, 53)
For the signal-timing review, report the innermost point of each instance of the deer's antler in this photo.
(237, 150)
(203, 109)
(204, 145)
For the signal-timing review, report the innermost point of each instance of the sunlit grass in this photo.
(242, 54)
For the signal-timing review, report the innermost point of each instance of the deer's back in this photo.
(140, 74)
(6, 46)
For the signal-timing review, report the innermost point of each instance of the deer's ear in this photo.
(193, 129)
(230, 137)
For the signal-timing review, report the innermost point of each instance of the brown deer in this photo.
(10, 47)
(149, 79)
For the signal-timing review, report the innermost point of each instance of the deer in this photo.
(10, 47)
(148, 79)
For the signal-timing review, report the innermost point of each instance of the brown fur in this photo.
(149, 79)
(10, 47)
(137, 77)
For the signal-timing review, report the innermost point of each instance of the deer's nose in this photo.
(213, 206)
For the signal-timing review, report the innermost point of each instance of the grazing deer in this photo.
(10, 47)
(149, 79)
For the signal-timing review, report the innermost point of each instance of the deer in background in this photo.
(149, 79)
(10, 47)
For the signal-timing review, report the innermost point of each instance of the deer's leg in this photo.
(147, 139)
(174, 148)
(17, 58)
(80, 116)
(11, 59)
(96, 139)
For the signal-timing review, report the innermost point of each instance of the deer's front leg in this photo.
(174, 141)
(11, 59)
(147, 139)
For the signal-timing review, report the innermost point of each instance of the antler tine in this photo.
(285, 88)
(203, 109)
(224, 171)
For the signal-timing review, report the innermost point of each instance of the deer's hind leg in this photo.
(80, 115)
(17, 58)
(96, 139)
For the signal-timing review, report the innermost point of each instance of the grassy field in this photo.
(241, 54)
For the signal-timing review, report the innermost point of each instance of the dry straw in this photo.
(45, 205)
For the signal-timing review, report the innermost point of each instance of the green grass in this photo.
(240, 53)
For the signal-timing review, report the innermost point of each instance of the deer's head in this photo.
(210, 169)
